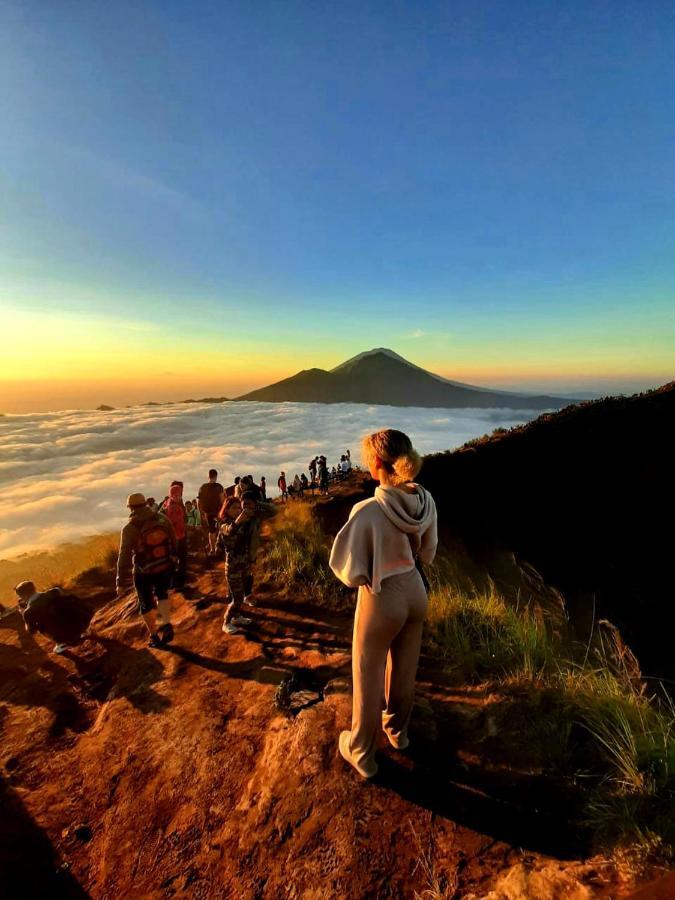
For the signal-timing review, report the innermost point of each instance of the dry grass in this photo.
(60, 566)
(589, 715)
(296, 559)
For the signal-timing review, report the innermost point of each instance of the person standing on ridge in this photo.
(210, 498)
(174, 510)
(283, 487)
(235, 535)
(380, 550)
(263, 488)
(147, 545)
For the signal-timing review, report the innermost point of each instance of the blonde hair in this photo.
(396, 451)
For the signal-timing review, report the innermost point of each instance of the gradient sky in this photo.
(204, 197)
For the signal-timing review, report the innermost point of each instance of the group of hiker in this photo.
(381, 551)
(154, 548)
(320, 477)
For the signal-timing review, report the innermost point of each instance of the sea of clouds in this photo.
(66, 475)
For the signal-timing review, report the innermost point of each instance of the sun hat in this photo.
(134, 500)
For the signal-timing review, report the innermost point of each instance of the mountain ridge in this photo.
(382, 377)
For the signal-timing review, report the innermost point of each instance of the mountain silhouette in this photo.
(381, 376)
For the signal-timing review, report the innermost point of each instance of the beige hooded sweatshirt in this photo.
(383, 535)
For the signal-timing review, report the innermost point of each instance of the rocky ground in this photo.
(200, 771)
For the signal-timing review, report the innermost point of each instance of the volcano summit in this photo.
(382, 377)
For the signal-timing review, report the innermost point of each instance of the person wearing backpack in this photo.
(146, 562)
(174, 510)
(211, 495)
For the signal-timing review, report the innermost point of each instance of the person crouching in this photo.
(146, 561)
(235, 536)
(60, 616)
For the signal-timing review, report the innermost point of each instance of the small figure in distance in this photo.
(210, 498)
(283, 487)
(263, 488)
(380, 550)
(60, 616)
(150, 503)
(235, 536)
(304, 484)
(297, 486)
(146, 561)
(312, 468)
(323, 475)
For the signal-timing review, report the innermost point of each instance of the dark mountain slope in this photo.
(587, 496)
(383, 377)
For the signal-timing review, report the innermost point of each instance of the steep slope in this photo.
(383, 377)
(134, 772)
(583, 495)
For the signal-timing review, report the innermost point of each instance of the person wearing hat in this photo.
(60, 616)
(146, 562)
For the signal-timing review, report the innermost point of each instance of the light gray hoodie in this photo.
(383, 535)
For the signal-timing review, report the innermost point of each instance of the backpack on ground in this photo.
(153, 551)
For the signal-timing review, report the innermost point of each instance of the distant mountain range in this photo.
(382, 377)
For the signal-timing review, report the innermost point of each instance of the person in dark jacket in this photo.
(146, 562)
(60, 616)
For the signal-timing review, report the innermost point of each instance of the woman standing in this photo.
(377, 551)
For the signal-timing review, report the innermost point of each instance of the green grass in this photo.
(585, 712)
(296, 559)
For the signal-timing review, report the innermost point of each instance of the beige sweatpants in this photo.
(385, 652)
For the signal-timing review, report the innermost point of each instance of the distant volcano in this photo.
(383, 377)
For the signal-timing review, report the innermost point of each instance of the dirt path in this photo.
(130, 772)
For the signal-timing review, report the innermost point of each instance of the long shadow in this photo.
(432, 787)
(125, 671)
(29, 867)
(244, 669)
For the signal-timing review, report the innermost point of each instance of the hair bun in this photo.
(407, 465)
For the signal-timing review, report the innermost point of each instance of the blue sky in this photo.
(285, 183)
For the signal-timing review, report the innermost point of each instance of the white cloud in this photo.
(66, 475)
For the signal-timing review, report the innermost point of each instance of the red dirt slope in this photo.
(129, 772)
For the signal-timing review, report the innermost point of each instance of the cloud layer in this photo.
(66, 475)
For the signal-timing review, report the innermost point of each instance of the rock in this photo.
(337, 686)
(83, 833)
(271, 675)
(301, 699)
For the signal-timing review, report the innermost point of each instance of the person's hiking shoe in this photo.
(165, 633)
(241, 620)
(250, 600)
(398, 743)
(60, 648)
(229, 628)
(345, 753)
(155, 641)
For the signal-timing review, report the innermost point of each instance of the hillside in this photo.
(582, 495)
(189, 772)
(383, 377)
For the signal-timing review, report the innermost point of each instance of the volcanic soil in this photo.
(200, 771)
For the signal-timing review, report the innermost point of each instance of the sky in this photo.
(66, 475)
(199, 199)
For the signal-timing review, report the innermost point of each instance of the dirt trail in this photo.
(130, 772)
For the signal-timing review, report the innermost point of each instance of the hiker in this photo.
(238, 487)
(312, 468)
(61, 617)
(194, 520)
(235, 536)
(297, 486)
(345, 465)
(283, 488)
(174, 510)
(210, 499)
(150, 503)
(147, 544)
(380, 551)
(304, 484)
(323, 475)
(263, 488)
